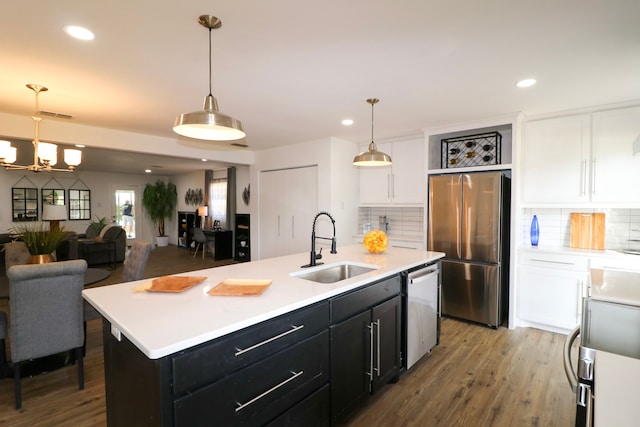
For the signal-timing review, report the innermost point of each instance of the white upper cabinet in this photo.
(615, 170)
(584, 159)
(556, 160)
(404, 182)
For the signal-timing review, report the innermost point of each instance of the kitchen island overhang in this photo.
(160, 324)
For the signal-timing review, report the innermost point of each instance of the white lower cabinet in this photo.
(550, 289)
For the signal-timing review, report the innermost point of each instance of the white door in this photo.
(288, 202)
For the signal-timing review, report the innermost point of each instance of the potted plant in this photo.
(159, 201)
(40, 240)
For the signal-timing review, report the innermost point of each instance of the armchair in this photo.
(46, 308)
(113, 233)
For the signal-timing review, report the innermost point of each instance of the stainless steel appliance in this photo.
(469, 221)
(609, 354)
(423, 312)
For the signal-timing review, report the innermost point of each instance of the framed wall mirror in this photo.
(79, 204)
(24, 204)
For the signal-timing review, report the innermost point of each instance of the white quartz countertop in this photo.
(160, 324)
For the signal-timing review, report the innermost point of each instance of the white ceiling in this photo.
(291, 70)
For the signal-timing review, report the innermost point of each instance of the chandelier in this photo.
(45, 155)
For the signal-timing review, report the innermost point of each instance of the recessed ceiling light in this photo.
(526, 83)
(79, 33)
(81, 146)
(347, 122)
(147, 170)
(204, 160)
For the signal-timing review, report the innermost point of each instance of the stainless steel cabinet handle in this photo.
(370, 373)
(293, 329)
(241, 406)
(583, 184)
(393, 186)
(293, 227)
(278, 225)
(377, 323)
(552, 262)
(593, 178)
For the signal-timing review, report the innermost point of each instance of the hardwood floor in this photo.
(476, 377)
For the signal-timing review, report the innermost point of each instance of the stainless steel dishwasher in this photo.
(423, 311)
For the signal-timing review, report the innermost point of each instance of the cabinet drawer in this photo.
(204, 364)
(260, 392)
(345, 306)
(554, 260)
(314, 411)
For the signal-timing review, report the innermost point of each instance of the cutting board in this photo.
(587, 230)
(240, 287)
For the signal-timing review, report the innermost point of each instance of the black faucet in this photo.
(313, 255)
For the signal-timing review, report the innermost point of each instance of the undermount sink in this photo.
(335, 272)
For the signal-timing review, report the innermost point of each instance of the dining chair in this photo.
(136, 261)
(46, 307)
(202, 241)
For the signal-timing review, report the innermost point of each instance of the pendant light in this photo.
(209, 123)
(372, 157)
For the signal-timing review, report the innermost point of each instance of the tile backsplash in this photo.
(622, 227)
(406, 221)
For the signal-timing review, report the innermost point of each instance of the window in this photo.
(218, 200)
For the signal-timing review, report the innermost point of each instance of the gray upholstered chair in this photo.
(136, 261)
(15, 253)
(3, 337)
(46, 307)
(202, 241)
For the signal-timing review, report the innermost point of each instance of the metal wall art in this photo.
(193, 197)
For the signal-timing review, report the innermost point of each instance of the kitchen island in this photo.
(166, 353)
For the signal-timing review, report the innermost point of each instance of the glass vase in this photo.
(535, 231)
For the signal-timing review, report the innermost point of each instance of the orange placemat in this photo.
(240, 287)
(170, 284)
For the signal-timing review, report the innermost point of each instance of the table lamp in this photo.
(203, 211)
(54, 214)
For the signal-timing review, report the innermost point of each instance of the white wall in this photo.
(102, 197)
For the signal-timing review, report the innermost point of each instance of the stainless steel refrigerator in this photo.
(469, 221)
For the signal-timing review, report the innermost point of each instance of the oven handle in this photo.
(568, 365)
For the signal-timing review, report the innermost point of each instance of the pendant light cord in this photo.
(372, 104)
(210, 61)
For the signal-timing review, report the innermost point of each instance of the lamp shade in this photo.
(372, 157)
(48, 153)
(54, 212)
(72, 157)
(203, 210)
(209, 124)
